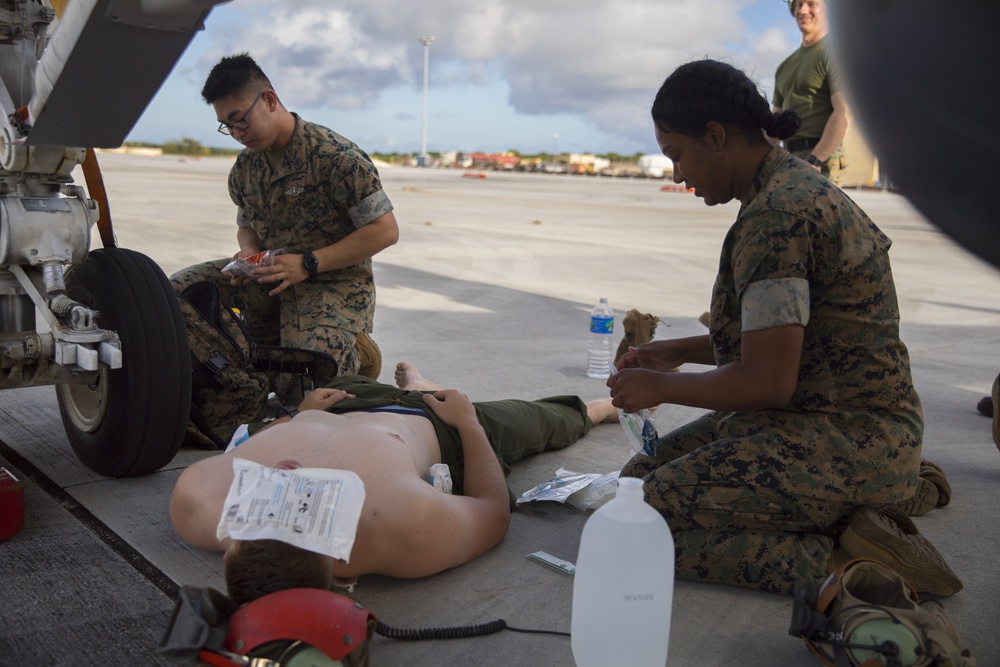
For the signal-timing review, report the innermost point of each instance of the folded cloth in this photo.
(639, 328)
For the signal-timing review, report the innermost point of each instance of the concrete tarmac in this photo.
(488, 291)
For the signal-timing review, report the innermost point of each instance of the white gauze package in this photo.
(317, 509)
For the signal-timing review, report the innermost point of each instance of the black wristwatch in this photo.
(814, 161)
(310, 263)
(287, 411)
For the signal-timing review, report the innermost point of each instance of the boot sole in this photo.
(922, 501)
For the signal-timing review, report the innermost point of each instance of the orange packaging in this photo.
(257, 259)
(11, 505)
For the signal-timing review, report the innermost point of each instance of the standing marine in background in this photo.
(806, 82)
(317, 196)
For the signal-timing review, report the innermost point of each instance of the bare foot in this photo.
(601, 410)
(408, 377)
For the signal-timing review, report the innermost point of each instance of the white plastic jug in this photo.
(623, 588)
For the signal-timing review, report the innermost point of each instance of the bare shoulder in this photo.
(206, 477)
(197, 499)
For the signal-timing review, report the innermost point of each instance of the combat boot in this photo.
(889, 536)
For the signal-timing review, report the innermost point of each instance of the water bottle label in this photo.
(602, 325)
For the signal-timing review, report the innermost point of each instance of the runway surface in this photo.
(488, 291)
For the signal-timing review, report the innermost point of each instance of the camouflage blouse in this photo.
(324, 188)
(802, 252)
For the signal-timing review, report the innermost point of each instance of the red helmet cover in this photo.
(333, 623)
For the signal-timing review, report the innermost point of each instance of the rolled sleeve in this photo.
(775, 302)
(241, 218)
(370, 208)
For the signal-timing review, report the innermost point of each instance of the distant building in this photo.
(585, 163)
(655, 165)
(495, 161)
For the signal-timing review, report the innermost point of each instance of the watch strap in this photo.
(310, 263)
(287, 411)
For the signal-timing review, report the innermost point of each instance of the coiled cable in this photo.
(456, 632)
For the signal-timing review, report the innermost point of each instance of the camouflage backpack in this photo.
(232, 375)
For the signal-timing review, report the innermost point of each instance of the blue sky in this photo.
(504, 74)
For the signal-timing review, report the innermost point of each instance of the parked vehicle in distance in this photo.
(656, 166)
(622, 170)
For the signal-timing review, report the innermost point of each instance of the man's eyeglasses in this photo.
(242, 123)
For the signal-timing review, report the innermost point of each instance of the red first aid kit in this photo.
(11, 505)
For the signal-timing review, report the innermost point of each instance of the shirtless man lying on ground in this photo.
(390, 437)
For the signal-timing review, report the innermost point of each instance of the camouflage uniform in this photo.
(834, 167)
(324, 188)
(752, 496)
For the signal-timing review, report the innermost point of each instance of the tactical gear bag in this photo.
(232, 375)
(867, 615)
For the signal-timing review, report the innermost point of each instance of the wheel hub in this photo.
(86, 404)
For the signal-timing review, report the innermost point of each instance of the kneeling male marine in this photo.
(389, 436)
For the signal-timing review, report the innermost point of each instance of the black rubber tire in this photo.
(132, 421)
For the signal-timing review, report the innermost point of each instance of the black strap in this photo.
(199, 422)
(205, 298)
(805, 619)
(796, 145)
(202, 425)
(200, 621)
(204, 374)
(297, 361)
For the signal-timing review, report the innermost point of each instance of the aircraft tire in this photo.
(131, 421)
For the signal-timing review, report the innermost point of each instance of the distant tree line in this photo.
(188, 146)
(396, 158)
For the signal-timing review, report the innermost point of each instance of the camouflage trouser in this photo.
(753, 511)
(273, 320)
(833, 167)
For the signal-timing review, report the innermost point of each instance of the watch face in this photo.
(310, 262)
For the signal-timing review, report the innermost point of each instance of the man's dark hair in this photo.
(234, 75)
(708, 90)
(259, 567)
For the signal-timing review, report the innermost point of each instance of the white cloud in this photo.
(598, 59)
(766, 51)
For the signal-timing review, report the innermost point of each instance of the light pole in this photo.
(426, 41)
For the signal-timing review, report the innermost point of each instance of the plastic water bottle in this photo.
(602, 326)
(623, 588)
